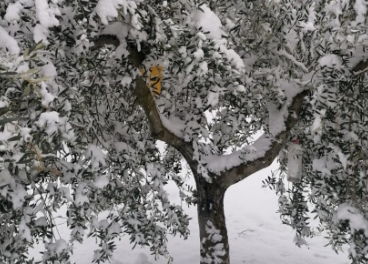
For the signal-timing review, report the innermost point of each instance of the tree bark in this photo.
(212, 225)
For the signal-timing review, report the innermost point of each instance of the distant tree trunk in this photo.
(212, 225)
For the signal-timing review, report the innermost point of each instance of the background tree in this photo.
(80, 126)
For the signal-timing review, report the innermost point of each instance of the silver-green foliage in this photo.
(72, 132)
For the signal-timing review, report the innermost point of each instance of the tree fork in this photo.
(210, 196)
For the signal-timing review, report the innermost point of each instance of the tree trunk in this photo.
(212, 225)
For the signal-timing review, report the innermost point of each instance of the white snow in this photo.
(121, 31)
(45, 14)
(309, 25)
(293, 60)
(216, 164)
(57, 247)
(12, 12)
(8, 42)
(126, 80)
(47, 97)
(213, 98)
(96, 155)
(101, 181)
(108, 9)
(356, 220)
(331, 61)
(235, 59)
(256, 234)
(49, 69)
(198, 54)
(175, 125)
(3, 103)
(40, 33)
(18, 196)
(360, 7)
(208, 21)
(51, 120)
(203, 68)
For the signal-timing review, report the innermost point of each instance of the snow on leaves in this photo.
(73, 135)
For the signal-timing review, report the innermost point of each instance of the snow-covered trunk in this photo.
(212, 225)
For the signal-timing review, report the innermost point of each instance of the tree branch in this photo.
(246, 169)
(160, 132)
(147, 102)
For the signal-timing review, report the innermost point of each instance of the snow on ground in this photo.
(256, 234)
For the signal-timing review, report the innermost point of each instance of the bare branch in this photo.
(246, 169)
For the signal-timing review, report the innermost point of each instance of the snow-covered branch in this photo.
(266, 147)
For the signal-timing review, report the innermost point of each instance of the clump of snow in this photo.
(353, 215)
(126, 80)
(3, 103)
(50, 120)
(47, 97)
(49, 69)
(235, 59)
(324, 164)
(101, 181)
(213, 98)
(108, 9)
(81, 194)
(309, 25)
(276, 119)
(360, 7)
(8, 42)
(203, 68)
(18, 196)
(208, 21)
(331, 61)
(40, 33)
(12, 12)
(96, 155)
(183, 51)
(214, 234)
(45, 14)
(121, 31)
(56, 248)
(175, 125)
(293, 60)
(198, 54)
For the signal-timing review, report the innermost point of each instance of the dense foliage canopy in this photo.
(73, 133)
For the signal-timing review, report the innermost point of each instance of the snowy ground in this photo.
(255, 232)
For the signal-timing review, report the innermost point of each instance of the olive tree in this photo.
(82, 115)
